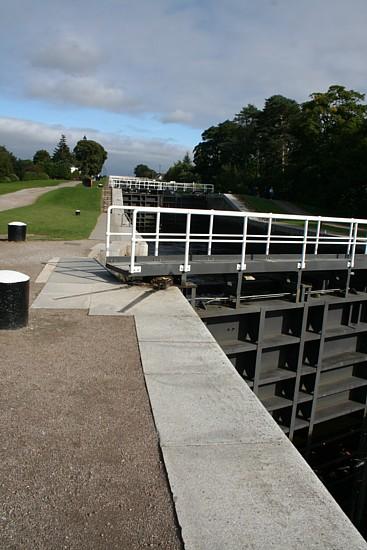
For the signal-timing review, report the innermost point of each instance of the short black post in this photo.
(17, 231)
(77, 212)
(14, 299)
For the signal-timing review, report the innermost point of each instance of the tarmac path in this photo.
(24, 197)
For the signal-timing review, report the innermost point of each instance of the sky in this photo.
(145, 78)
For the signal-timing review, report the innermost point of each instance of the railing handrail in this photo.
(131, 182)
(351, 239)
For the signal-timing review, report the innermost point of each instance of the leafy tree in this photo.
(219, 158)
(22, 166)
(58, 170)
(90, 157)
(6, 162)
(277, 141)
(182, 171)
(143, 171)
(328, 164)
(41, 157)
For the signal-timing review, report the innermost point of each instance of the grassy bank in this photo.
(11, 187)
(53, 215)
(258, 204)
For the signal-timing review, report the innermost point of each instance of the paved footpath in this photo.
(24, 197)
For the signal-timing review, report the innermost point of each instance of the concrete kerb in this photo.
(237, 481)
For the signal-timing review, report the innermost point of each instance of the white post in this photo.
(242, 265)
(133, 242)
(157, 224)
(186, 266)
(317, 236)
(108, 231)
(211, 223)
(350, 236)
(355, 235)
(302, 265)
(269, 236)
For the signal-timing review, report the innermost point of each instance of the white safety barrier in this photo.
(144, 184)
(312, 231)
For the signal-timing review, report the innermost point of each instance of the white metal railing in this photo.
(145, 184)
(312, 232)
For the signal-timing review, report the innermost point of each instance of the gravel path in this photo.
(80, 464)
(24, 197)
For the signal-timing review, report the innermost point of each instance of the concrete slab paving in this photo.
(64, 296)
(172, 328)
(178, 358)
(136, 300)
(204, 409)
(254, 497)
(47, 270)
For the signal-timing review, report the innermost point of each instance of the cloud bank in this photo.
(185, 62)
(24, 138)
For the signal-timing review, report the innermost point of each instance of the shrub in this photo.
(29, 176)
(5, 179)
(13, 177)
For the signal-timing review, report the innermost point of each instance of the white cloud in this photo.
(81, 90)
(175, 58)
(24, 138)
(69, 54)
(177, 116)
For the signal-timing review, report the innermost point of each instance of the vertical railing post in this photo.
(302, 264)
(108, 231)
(185, 267)
(211, 224)
(355, 236)
(242, 265)
(269, 236)
(350, 236)
(133, 242)
(157, 227)
(317, 236)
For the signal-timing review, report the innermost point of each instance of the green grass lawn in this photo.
(258, 204)
(11, 187)
(52, 216)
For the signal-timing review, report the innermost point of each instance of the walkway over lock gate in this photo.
(216, 241)
(145, 184)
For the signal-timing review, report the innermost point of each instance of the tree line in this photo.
(86, 159)
(313, 153)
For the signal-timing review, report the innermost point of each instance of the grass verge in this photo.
(52, 216)
(11, 187)
(258, 204)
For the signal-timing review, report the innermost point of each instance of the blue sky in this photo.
(145, 78)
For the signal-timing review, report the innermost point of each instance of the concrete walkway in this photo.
(24, 197)
(237, 481)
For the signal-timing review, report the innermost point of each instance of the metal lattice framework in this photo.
(144, 184)
(344, 236)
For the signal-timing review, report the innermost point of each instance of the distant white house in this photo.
(73, 169)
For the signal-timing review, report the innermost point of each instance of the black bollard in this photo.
(17, 231)
(77, 212)
(14, 299)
